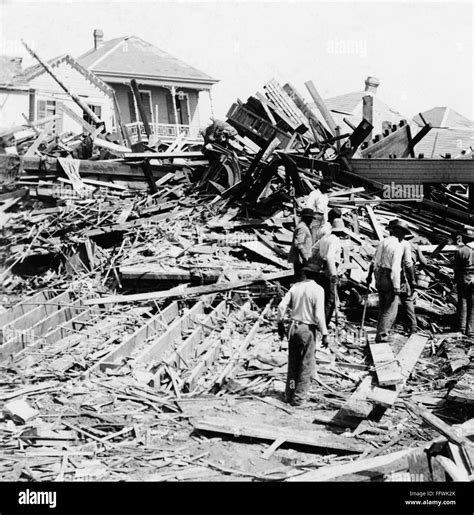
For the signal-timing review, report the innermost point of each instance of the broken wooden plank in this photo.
(24, 306)
(386, 367)
(321, 106)
(172, 335)
(451, 433)
(149, 328)
(454, 471)
(407, 358)
(234, 360)
(197, 290)
(379, 465)
(243, 426)
(374, 222)
(185, 352)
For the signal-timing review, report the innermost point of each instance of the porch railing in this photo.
(164, 131)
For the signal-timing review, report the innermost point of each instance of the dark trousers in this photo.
(388, 302)
(301, 361)
(407, 303)
(329, 295)
(465, 308)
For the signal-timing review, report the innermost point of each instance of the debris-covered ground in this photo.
(138, 334)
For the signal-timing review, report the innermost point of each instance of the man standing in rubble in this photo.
(300, 250)
(464, 277)
(306, 300)
(327, 253)
(407, 279)
(318, 201)
(387, 268)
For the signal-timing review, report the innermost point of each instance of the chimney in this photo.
(371, 85)
(98, 38)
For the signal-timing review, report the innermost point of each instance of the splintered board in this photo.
(407, 358)
(308, 435)
(386, 367)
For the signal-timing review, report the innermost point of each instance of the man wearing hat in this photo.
(300, 250)
(306, 300)
(387, 267)
(328, 251)
(464, 277)
(407, 279)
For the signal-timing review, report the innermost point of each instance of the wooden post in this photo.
(148, 173)
(141, 109)
(321, 106)
(76, 99)
(175, 109)
(32, 104)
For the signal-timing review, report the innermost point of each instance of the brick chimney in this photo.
(98, 38)
(371, 85)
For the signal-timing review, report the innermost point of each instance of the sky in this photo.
(421, 51)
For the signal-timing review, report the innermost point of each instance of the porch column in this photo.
(175, 109)
(211, 104)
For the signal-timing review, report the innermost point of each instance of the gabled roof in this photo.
(348, 103)
(131, 56)
(36, 70)
(444, 117)
(439, 142)
(11, 73)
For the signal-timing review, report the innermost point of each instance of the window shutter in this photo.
(184, 111)
(131, 105)
(41, 112)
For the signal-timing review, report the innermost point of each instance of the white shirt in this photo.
(389, 254)
(306, 299)
(318, 201)
(322, 231)
(330, 249)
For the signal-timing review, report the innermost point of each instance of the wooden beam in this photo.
(381, 464)
(34, 147)
(25, 306)
(407, 358)
(374, 222)
(186, 351)
(321, 106)
(235, 359)
(31, 317)
(247, 427)
(454, 471)
(141, 109)
(173, 335)
(414, 171)
(445, 429)
(76, 99)
(197, 290)
(78, 119)
(144, 332)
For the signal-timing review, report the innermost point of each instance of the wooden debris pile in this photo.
(138, 330)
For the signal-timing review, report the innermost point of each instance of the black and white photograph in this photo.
(236, 255)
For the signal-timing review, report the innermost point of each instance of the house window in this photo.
(45, 108)
(145, 96)
(97, 110)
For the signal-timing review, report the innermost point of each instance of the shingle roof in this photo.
(11, 73)
(132, 56)
(444, 117)
(439, 142)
